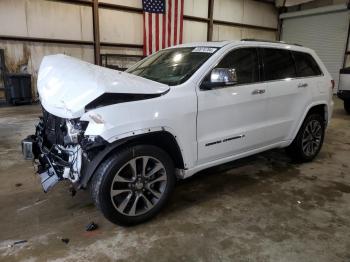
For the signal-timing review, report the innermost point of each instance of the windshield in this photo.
(172, 66)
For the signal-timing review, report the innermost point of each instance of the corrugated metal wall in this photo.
(326, 33)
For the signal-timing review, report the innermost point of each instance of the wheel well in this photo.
(163, 140)
(321, 110)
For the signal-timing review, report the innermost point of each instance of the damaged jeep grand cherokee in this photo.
(127, 136)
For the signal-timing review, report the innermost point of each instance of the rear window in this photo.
(306, 65)
(278, 64)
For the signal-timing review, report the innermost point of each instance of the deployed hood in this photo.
(66, 84)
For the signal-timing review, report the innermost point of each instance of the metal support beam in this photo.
(196, 19)
(77, 2)
(211, 20)
(121, 8)
(121, 45)
(281, 10)
(96, 27)
(45, 40)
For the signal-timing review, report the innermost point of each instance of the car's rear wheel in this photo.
(132, 185)
(309, 140)
(347, 106)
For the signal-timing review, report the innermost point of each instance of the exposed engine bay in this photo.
(57, 149)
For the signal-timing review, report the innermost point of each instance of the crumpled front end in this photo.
(59, 149)
(71, 90)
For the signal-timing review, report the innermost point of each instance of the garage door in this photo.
(323, 29)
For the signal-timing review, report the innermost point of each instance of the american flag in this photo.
(162, 24)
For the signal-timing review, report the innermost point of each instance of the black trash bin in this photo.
(18, 88)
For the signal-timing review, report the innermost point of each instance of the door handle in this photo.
(302, 85)
(258, 91)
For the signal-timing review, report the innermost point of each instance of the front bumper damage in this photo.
(60, 150)
(32, 151)
(53, 165)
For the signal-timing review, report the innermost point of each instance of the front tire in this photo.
(347, 106)
(132, 185)
(309, 140)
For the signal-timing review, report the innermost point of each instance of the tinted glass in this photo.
(278, 64)
(306, 65)
(245, 62)
(172, 66)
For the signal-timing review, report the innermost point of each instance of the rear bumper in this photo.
(344, 94)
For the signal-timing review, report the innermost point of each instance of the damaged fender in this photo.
(90, 166)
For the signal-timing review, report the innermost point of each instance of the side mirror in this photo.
(220, 77)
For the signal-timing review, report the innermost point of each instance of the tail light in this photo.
(333, 84)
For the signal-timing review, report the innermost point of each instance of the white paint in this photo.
(194, 116)
(66, 85)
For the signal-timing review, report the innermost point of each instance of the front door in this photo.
(231, 119)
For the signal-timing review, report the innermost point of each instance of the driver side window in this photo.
(245, 62)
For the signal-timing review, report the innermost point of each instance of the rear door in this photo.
(231, 119)
(290, 87)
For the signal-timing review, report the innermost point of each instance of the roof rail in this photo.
(267, 41)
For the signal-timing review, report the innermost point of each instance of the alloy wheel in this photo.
(138, 185)
(311, 139)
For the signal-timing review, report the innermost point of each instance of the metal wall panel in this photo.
(223, 32)
(325, 33)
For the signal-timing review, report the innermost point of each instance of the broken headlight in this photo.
(75, 129)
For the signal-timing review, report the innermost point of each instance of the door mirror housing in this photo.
(220, 77)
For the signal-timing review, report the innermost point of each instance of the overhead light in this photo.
(177, 57)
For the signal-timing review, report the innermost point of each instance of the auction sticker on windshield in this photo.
(204, 50)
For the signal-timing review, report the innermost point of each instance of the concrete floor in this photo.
(263, 208)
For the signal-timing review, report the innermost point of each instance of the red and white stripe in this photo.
(163, 30)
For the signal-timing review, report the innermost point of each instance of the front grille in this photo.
(54, 129)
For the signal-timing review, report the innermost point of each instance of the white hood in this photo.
(66, 84)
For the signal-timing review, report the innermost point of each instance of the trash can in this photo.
(18, 88)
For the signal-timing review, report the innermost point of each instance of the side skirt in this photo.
(190, 172)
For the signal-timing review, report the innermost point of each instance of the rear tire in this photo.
(309, 140)
(133, 184)
(347, 106)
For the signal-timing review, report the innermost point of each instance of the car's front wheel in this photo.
(309, 140)
(132, 185)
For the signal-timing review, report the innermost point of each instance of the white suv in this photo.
(129, 135)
